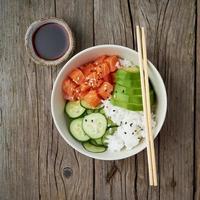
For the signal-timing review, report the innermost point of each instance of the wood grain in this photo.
(171, 46)
(36, 163)
(34, 153)
(197, 110)
(78, 15)
(21, 128)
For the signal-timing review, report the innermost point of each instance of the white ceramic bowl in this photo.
(57, 101)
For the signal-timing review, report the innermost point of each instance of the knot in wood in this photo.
(67, 172)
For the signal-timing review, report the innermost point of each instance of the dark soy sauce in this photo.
(50, 41)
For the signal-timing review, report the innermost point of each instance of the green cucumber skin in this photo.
(89, 111)
(102, 111)
(92, 141)
(105, 129)
(96, 149)
(70, 116)
(76, 138)
(107, 133)
(110, 123)
(99, 141)
(86, 106)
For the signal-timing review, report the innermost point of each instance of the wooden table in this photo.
(36, 163)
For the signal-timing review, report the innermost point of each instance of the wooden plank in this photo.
(170, 46)
(197, 108)
(112, 25)
(34, 154)
(20, 136)
(80, 185)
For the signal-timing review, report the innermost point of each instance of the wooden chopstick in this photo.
(146, 80)
(149, 157)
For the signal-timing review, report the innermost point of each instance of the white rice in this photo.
(131, 127)
(126, 63)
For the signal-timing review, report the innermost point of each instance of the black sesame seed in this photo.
(131, 124)
(85, 120)
(132, 133)
(113, 110)
(125, 122)
(121, 123)
(125, 132)
(92, 120)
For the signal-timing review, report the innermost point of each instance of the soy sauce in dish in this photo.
(50, 41)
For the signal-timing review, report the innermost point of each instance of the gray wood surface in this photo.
(197, 109)
(36, 163)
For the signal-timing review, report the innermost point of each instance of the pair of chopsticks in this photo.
(142, 53)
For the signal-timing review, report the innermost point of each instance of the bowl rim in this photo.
(93, 155)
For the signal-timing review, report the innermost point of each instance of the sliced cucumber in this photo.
(95, 125)
(99, 141)
(87, 106)
(92, 148)
(92, 141)
(110, 131)
(77, 130)
(74, 109)
(102, 111)
(111, 123)
(89, 111)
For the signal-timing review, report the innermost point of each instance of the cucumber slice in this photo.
(102, 111)
(77, 130)
(96, 111)
(110, 131)
(136, 99)
(92, 141)
(98, 141)
(111, 123)
(89, 111)
(74, 109)
(92, 148)
(87, 106)
(95, 125)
